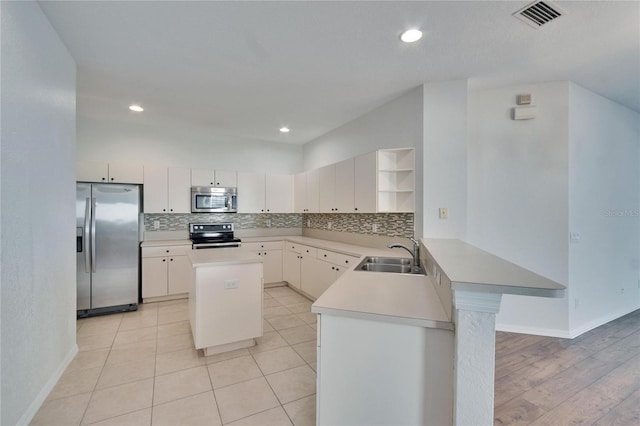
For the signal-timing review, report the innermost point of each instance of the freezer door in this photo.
(83, 245)
(115, 245)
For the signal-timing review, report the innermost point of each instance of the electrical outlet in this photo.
(576, 303)
(230, 284)
(268, 223)
(308, 223)
(156, 224)
(574, 237)
(443, 213)
(328, 225)
(374, 228)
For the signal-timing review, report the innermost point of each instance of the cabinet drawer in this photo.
(165, 251)
(337, 258)
(300, 248)
(263, 245)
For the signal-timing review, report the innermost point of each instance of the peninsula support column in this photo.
(474, 371)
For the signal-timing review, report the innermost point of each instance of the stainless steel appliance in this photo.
(212, 199)
(212, 235)
(107, 247)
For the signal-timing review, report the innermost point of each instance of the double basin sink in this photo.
(398, 265)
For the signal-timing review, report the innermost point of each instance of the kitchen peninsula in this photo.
(225, 299)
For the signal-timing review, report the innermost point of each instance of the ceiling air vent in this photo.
(539, 13)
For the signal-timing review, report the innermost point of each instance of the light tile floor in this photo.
(141, 368)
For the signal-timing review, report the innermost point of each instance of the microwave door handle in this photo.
(93, 235)
(87, 218)
(229, 202)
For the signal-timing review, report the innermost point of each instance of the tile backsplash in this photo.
(387, 224)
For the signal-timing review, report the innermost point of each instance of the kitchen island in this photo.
(225, 299)
(416, 349)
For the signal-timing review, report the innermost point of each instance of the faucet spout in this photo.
(414, 253)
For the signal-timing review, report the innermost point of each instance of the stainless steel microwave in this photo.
(212, 199)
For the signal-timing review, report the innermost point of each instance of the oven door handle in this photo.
(215, 245)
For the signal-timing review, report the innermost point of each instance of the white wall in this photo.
(37, 205)
(444, 159)
(604, 208)
(100, 140)
(518, 195)
(396, 124)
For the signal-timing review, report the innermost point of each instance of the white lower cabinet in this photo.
(165, 271)
(356, 355)
(313, 270)
(271, 253)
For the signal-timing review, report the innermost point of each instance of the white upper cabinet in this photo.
(260, 193)
(251, 191)
(337, 187)
(167, 190)
(365, 183)
(306, 192)
(90, 171)
(279, 193)
(209, 177)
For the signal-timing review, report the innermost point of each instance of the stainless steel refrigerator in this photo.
(107, 247)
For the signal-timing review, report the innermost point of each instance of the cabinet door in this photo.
(202, 177)
(327, 186)
(125, 173)
(91, 171)
(272, 266)
(300, 193)
(154, 277)
(344, 186)
(155, 189)
(179, 190)
(313, 191)
(365, 183)
(279, 193)
(251, 192)
(226, 179)
(291, 268)
(178, 274)
(316, 276)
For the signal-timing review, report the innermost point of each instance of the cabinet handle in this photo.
(164, 210)
(170, 210)
(333, 267)
(324, 255)
(111, 178)
(337, 269)
(218, 183)
(167, 251)
(346, 261)
(171, 260)
(164, 260)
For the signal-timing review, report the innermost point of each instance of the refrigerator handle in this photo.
(93, 234)
(87, 218)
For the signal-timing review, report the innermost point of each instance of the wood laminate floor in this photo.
(593, 379)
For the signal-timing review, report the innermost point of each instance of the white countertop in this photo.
(401, 298)
(222, 256)
(164, 243)
(470, 268)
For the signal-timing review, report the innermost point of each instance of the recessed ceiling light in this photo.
(410, 36)
(284, 130)
(136, 108)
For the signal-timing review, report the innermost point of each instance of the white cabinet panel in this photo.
(300, 193)
(306, 192)
(156, 184)
(202, 177)
(251, 192)
(179, 194)
(178, 274)
(365, 183)
(279, 194)
(291, 268)
(154, 277)
(327, 185)
(226, 178)
(91, 171)
(344, 186)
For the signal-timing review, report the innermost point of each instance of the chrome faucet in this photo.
(415, 253)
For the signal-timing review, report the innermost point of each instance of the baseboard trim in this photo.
(575, 332)
(35, 405)
(549, 332)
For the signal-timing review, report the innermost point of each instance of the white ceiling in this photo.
(245, 69)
